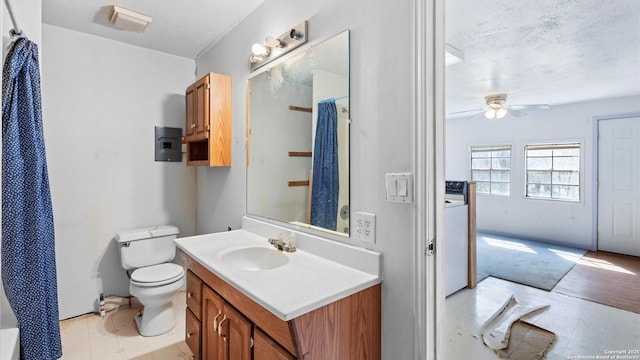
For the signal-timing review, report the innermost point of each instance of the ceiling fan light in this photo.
(500, 113)
(490, 114)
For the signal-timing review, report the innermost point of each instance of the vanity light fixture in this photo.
(273, 42)
(260, 50)
(129, 20)
(274, 47)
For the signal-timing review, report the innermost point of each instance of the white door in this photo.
(619, 185)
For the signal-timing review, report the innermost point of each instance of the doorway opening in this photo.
(506, 54)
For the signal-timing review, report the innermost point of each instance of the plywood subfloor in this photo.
(606, 278)
(527, 342)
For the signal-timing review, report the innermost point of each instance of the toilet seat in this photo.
(157, 275)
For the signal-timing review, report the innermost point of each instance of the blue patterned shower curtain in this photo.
(28, 248)
(325, 184)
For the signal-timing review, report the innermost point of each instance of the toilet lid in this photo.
(157, 274)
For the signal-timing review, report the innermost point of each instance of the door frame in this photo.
(428, 162)
(596, 171)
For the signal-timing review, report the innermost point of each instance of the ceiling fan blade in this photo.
(516, 113)
(531, 106)
(465, 111)
(478, 115)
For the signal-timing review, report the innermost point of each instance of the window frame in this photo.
(491, 148)
(554, 146)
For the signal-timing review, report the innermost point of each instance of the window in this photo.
(553, 171)
(490, 169)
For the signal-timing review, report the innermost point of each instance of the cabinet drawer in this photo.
(264, 348)
(192, 334)
(194, 294)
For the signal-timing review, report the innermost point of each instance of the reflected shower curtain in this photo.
(28, 248)
(325, 184)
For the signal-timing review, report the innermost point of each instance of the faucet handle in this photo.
(277, 243)
(289, 243)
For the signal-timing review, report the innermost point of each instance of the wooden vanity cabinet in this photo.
(208, 121)
(193, 314)
(226, 333)
(233, 326)
(193, 335)
(267, 349)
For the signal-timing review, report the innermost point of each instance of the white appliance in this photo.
(456, 237)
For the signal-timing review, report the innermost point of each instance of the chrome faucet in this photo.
(283, 244)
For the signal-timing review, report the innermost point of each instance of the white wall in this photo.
(553, 221)
(29, 16)
(101, 101)
(381, 132)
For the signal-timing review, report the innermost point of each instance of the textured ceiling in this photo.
(543, 51)
(184, 28)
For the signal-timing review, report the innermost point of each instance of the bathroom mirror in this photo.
(298, 139)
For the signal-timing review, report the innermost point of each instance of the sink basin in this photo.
(255, 258)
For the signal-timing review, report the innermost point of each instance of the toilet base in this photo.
(156, 320)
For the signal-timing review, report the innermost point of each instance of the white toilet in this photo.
(155, 279)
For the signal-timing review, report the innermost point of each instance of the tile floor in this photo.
(583, 328)
(115, 337)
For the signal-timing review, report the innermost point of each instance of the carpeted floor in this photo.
(526, 262)
(605, 278)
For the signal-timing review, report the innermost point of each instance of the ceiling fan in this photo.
(496, 108)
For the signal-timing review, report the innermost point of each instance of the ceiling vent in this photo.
(129, 20)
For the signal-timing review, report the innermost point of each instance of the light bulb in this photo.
(259, 49)
(254, 59)
(490, 114)
(272, 42)
(500, 113)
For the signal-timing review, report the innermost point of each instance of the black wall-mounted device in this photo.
(168, 144)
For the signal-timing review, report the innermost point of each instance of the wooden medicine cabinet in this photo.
(208, 121)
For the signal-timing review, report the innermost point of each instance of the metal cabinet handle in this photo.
(189, 335)
(215, 320)
(189, 295)
(220, 325)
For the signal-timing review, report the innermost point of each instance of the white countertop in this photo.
(305, 283)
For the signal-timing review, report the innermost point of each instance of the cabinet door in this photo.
(213, 345)
(192, 336)
(202, 107)
(194, 294)
(236, 333)
(264, 348)
(190, 120)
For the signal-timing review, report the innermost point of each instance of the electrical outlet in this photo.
(364, 227)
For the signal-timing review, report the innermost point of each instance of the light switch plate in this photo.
(399, 187)
(364, 226)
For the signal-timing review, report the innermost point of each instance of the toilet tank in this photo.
(146, 246)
